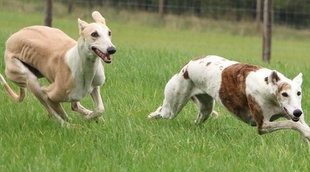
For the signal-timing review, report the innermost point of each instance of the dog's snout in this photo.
(111, 50)
(297, 113)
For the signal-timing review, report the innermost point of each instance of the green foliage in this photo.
(146, 58)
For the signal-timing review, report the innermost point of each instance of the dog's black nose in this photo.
(111, 50)
(297, 112)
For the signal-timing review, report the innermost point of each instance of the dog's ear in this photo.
(298, 79)
(98, 17)
(274, 78)
(82, 25)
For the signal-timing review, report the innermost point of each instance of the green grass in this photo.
(147, 57)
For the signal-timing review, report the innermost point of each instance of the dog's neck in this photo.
(81, 60)
(263, 91)
(85, 53)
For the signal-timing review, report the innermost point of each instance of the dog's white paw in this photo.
(154, 115)
(65, 124)
(68, 119)
(93, 115)
(307, 137)
(214, 114)
(99, 119)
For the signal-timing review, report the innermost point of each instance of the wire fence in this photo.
(297, 16)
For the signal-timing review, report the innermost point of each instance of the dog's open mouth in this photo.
(105, 57)
(294, 118)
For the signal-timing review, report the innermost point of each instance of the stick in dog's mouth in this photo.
(105, 57)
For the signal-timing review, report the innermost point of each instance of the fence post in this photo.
(70, 6)
(267, 27)
(258, 14)
(48, 13)
(161, 8)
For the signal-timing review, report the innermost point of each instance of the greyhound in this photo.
(72, 68)
(256, 95)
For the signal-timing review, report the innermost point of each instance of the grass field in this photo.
(147, 57)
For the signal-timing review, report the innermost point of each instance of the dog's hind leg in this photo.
(205, 104)
(177, 93)
(54, 109)
(17, 72)
(59, 110)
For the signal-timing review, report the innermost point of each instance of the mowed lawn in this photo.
(127, 141)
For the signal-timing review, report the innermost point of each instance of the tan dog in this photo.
(73, 69)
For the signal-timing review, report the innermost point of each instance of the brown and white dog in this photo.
(257, 96)
(73, 69)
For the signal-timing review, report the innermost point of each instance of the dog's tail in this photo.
(15, 97)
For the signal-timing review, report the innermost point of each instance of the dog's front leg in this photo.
(300, 126)
(307, 128)
(99, 109)
(76, 106)
(88, 114)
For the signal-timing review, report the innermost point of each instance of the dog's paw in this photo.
(72, 126)
(154, 115)
(214, 114)
(92, 116)
(99, 119)
(67, 119)
(65, 124)
(199, 121)
(307, 137)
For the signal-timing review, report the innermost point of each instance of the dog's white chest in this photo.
(86, 76)
(84, 84)
(81, 89)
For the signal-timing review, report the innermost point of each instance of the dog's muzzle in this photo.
(111, 50)
(105, 57)
(296, 114)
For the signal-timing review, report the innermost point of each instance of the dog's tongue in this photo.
(105, 57)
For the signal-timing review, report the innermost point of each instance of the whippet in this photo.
(73, 68)
(256, 95)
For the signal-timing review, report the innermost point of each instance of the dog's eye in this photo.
(94, 34)
(284, 94)
(298, 93)
(110, 33)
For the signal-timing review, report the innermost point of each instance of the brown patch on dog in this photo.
(283, 86)
(185, 75)
(185, 72)
(232, 90)
(274, 77)
(256, 111)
